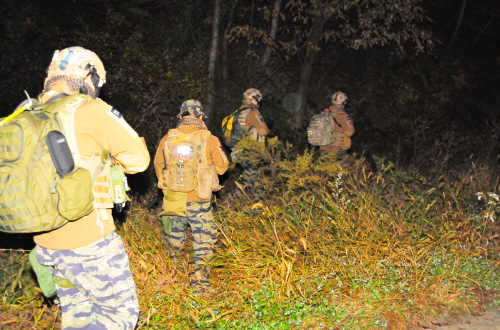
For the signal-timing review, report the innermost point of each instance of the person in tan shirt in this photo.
(342, 125)
(185, 204)
(252, 122)
(87, 257)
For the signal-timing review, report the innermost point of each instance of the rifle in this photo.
(155, 199)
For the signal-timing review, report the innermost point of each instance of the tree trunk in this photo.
(272, 34)
(213, 58)
(306, 71)
(225, 79)
(459, 23)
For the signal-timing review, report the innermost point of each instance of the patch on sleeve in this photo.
(118, 116)
(116, 113)
(349, 121)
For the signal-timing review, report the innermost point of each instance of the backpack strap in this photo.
(56, 97)
(64, 113)
(243, 116)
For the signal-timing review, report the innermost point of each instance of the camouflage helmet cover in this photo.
(77, 62)
(339, 98)
(192, 106)
(252, 94)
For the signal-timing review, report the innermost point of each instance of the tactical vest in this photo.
(186, 166)
(252, 131)
(98, 164)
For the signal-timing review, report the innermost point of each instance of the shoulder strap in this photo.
(243, 116)
(65, 109)
(225, 121)
(335, 120)
(63, 106)
(56, 97)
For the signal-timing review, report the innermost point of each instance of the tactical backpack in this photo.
(320, 131)
(232, 128)
(186, 166)
(40, 188)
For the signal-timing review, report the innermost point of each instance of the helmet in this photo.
(76, 62)
(252, 94)
(339, 98)
(194, 108)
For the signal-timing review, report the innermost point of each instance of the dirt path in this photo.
(482, 319)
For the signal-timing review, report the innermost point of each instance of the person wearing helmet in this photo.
(87, 257)
(342, 125)
(187, 162)
(250, 117)
(254, 125)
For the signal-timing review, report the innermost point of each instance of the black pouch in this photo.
(60, 153)
(74, 184)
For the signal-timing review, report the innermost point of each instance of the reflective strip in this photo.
(12, 204)
(7, 178)
(17, 227)
(11, 190)
(17, 216)
(10, 148)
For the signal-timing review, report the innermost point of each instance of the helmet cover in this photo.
(252, 94)
(77, 62)
(339, 98)
(192, 106)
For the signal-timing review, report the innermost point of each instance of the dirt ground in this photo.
(478, 319)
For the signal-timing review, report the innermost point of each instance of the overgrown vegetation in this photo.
(405, 226)
(320, 245)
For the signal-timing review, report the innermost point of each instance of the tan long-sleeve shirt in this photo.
(97, 126)
(344, 128)
(214, 153)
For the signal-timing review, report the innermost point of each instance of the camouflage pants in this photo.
(100, 291)
(249, 173)
(199, 217)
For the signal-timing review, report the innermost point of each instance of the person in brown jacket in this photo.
(87, 257)
(252, 122)
(187, 162)
(342, 125)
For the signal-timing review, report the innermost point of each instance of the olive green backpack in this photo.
(40, 188)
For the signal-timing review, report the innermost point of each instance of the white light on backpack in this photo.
(184, 152)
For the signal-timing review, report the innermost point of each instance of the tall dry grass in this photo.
(318, 244)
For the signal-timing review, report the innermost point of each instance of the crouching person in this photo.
(187, 162)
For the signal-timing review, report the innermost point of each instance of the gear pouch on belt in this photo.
(209, 181)
(174, 203)
(118, 186)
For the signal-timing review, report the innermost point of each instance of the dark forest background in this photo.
(404, 227)
(422, 76)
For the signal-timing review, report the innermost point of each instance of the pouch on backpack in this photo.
(75, 194)
(209, 182)
(73, 184)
